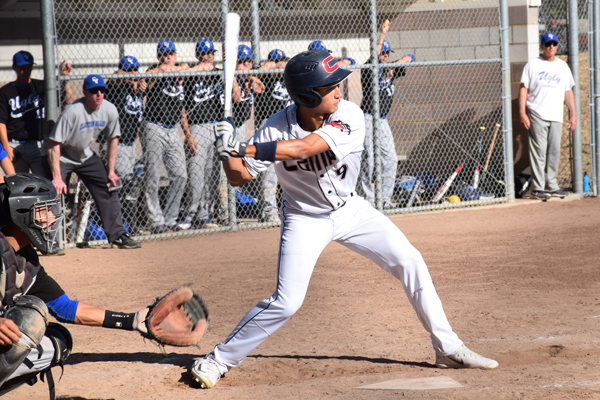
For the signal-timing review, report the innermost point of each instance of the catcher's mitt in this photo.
(179, 318)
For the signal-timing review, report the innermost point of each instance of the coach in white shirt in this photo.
(546, 84)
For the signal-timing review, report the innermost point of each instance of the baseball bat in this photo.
(417, 184)
(487, 162)
(446, 185)
(231, 33)
(476, 174)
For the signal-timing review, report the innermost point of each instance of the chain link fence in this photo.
(434, 114)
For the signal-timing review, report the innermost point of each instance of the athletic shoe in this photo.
(540, 195)
(125, 242)
(205, 224)
(206, 372)
(559, 193)
(162, 229)
(464, 358)
(183, 225)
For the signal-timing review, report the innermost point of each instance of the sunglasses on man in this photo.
(555, 44)
(96, 90)
(248, 60)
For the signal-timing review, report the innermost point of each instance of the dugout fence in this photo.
(450, 109)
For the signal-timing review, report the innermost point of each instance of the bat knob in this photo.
(223, 156)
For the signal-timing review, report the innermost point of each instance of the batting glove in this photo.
(227, 145)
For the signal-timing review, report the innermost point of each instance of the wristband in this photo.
(118, 320)
(265, 151)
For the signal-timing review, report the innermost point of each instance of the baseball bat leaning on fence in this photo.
(231, 33)
(476, 174)
(487, 161)
(415, 190)
(446, 185)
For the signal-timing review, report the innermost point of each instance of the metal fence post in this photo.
(48, 40)
(255, 33)
(591, 94)
(506, 102)
(596, 17)
(574, 64)
(375, 97)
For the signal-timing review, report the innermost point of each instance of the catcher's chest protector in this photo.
(16, 274)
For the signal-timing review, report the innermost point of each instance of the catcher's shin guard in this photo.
(30, 314)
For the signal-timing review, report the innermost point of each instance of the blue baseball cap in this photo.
(318, 45)
(23, 58)
(549, 37)
(93, 81)
(276, 55)
(204, 46)
(128, 62)
(385, 47)
(165, 46)
(244, 52)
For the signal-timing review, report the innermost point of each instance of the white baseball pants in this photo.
(361, 228)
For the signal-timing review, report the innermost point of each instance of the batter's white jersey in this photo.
(323, 182)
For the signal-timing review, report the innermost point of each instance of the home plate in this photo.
(440, 382)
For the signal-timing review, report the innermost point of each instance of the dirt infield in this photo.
(520, 284)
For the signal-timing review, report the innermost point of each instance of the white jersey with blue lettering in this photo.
(323, 182)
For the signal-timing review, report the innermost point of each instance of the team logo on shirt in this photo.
(345, 128)
(313, 163)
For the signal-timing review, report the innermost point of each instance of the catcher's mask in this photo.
(27, 200)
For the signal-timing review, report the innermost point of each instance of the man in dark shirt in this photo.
(389, 158)
(22, 125)
(160, 139)
(127, 95)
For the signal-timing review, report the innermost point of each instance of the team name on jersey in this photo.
(91, 124)
(173, 90)
(134, 106)
(548, 79)
(206, 92)
(20, 106)
(313, 163)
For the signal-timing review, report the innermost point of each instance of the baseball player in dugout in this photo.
(68, 150)
(22, 113)
(160, 139)
(316, 146)
(389, 158)
(546, 84)
(29, 344)
(203, 106)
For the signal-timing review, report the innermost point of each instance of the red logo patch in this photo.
(327, 64)
(345, 128)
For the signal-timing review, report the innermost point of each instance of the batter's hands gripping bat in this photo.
(231, 33)
(446, 184)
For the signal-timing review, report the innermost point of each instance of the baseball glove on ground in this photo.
(179, 318)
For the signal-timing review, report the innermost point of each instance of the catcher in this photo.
(29, 345)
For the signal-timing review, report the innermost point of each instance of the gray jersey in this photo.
(78, 126)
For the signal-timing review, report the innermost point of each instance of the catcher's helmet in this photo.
(309, 70)
(26, 200)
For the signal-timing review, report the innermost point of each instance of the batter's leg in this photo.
(302, 241)
(366, 231)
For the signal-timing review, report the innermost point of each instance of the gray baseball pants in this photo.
(203, 174)
(163, 145)
(389, 161)
(28, 156)
(544, 152)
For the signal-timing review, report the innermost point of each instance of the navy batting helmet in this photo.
(310, 70)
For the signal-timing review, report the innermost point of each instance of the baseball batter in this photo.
(316, 146)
